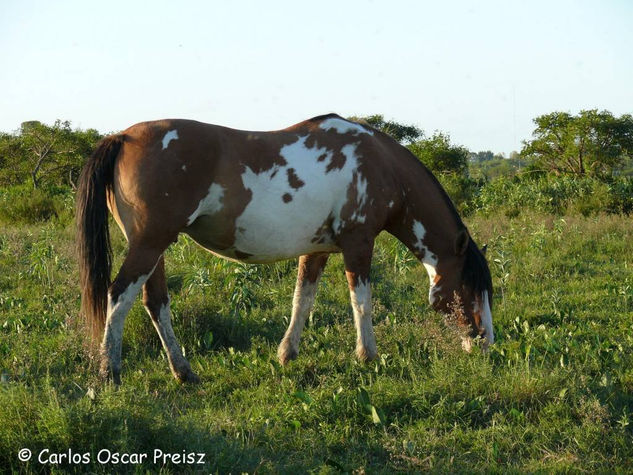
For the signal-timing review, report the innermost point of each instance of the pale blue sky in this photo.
(478, 70)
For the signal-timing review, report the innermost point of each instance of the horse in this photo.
(325, 185)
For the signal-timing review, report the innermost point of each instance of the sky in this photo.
(480, 71)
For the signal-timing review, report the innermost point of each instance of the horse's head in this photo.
(462, 288)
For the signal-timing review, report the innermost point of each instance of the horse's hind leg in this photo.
(310, 269)
(135, 271)
(156, 301)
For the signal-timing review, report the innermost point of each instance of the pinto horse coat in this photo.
(321, 186)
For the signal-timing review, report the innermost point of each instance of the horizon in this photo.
(479, 73)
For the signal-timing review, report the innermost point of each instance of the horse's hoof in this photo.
(365, 355)
(190, 378)
(106, 375)
(186, 376)
(285, 353)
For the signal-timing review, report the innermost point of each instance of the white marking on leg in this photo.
(342, 126)
(162, 323)
(117, 311)
(169, 136)
(361, 306)
(302, 304)
(184, 168)
(390, 205)
(467, 344)
(430, 260)
(486, 319)
(210, 204)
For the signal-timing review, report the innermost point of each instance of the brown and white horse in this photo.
(321, 186)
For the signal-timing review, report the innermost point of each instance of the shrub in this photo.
(460, 188)
(556, 195)
(25, 204)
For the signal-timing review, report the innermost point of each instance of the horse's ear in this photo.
(461, 242)
(484, 249)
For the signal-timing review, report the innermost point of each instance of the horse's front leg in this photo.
(357, 255)
(310, 269)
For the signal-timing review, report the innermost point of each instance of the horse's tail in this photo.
(93, 237)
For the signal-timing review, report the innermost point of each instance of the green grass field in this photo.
(555, 393)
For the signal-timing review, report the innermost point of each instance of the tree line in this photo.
(591, 143)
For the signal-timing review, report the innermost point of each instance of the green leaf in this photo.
(377, 416)
(303, 397)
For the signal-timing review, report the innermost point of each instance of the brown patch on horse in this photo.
(324, 232)
(287, 197)
(293, 180)
(334, 146)
(310, 269)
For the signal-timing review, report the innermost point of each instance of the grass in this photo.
(555, 393)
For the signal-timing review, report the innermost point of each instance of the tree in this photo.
(10, 153)
(45, 153)
(480, 157)
(401, 132)
(440, 156)
(590, 143)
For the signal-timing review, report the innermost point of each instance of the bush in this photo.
(555, 195)
(621, 196)
(460, 188)
(25, 204)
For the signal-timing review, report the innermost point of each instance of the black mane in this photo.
(476, 273)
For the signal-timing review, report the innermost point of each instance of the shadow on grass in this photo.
(151, 442)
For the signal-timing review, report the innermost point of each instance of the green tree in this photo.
(43, 153)
(440, 156)
(403, 133)
(479, 157)
(10, 158)
(590, 143)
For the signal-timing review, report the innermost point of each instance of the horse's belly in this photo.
(266, 233)
(276, 237)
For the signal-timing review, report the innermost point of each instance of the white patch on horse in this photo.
(169, 136)
(342, 126)
(429, 260)
(162, 323)
(467, 344)
(361, 305)
(302, 304)
(271, 228)
(210, 204)
(486, 319)
(124, 302)
(184, 168)
(361, 199)
(390, 205)
(115, 319)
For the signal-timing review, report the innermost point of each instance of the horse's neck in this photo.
(427, 222)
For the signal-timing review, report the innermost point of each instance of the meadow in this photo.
(555, 392)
